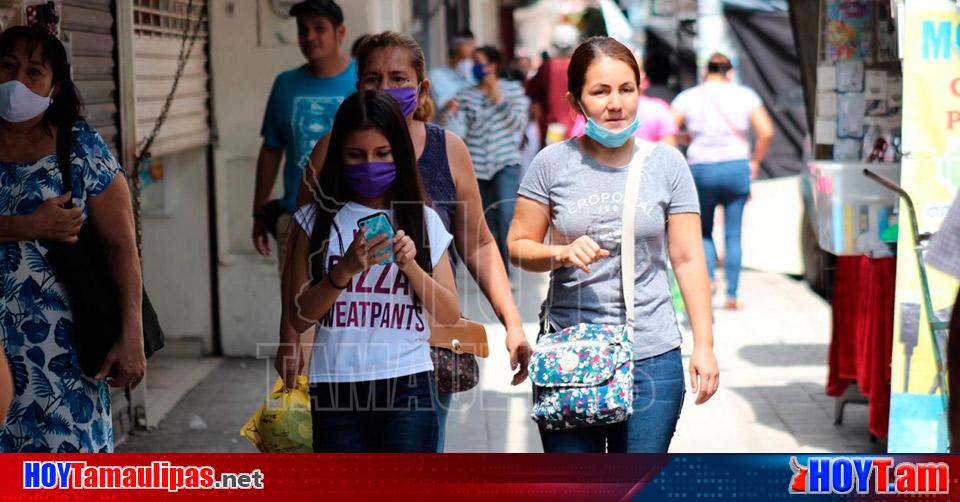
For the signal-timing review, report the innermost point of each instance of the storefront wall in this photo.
(250, 45)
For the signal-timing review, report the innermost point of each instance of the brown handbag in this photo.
(465, 336)
(454, 350)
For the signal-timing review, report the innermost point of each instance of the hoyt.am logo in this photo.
(879, 475)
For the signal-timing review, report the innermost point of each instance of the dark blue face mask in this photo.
(479, 71)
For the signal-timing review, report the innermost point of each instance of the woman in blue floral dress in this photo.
(56, 408)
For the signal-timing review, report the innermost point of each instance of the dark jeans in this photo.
(726, 184)
(658, 392)
(499, 196)
(394, 415)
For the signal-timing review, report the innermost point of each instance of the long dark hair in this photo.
(66, 107)
(361, 111)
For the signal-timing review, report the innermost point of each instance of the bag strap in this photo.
(726, 119)
(64, 143)
(642, 151)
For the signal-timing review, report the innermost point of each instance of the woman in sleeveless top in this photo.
(395, 63)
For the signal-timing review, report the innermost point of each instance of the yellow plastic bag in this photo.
(282, 424)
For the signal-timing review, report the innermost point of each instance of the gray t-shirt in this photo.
(585, 198)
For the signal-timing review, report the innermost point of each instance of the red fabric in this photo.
(862, 340)
(548, 88)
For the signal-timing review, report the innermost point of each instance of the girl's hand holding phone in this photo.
(374, 226)
(362, 254)
(404, 251)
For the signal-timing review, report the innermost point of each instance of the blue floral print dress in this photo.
(55, 407)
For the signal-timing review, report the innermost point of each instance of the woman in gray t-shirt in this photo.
(575, 190)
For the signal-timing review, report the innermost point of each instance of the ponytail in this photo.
(425, 110)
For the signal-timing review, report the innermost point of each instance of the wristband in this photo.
(335, 285)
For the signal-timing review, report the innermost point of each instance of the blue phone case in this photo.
(375, 225)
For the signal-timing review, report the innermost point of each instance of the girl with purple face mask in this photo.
(395, 63)
(371, 374)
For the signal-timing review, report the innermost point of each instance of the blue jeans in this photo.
(499, 197)
(394, 415)
(727, 184)
(442, 403)
(658, 392)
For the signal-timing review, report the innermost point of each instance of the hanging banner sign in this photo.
(931, 175)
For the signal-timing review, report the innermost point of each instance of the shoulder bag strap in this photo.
(726, 119)
(64, 142)
(641, 152)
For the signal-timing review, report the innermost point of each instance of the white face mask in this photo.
(19, 104)
(465, 68)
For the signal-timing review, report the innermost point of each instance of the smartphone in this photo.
(375, 225)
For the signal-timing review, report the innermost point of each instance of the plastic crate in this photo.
(855, 215)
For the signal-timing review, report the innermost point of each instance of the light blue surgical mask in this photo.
(608, 138)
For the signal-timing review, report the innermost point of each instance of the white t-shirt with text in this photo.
(377, 328)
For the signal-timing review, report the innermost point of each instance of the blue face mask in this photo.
(608, 138)
(479, 71)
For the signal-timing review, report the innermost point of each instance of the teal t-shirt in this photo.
(299, 112)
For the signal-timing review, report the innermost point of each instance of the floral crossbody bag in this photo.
(584, 373)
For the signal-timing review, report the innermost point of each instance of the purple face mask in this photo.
(407, 96)
(370, 179)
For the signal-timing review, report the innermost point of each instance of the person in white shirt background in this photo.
(718, 115)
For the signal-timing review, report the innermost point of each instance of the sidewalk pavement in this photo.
(772, 356)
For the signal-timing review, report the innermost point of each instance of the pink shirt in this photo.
(656, 120)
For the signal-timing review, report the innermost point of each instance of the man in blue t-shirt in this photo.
(301, 108)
